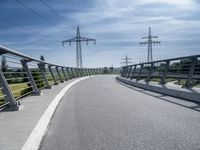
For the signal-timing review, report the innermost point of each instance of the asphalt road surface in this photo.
(101, 114)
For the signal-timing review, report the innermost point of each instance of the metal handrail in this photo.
(189, 71)
(165, 60)
(58, 73)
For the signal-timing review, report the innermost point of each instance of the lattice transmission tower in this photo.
(150, 42)
(126, 61)
(78, 39)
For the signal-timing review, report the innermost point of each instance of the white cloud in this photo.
(118, 26)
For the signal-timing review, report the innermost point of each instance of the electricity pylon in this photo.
(150, 43)
(78, 39)
(126, 61)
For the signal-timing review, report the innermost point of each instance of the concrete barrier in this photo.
(191, 94)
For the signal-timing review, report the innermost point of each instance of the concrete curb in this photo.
(33, 141)
(186, 94)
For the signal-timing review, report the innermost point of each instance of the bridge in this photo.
(46, 106)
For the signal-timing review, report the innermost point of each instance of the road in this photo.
(101, 114)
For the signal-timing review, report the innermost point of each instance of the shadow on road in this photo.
(181, 102)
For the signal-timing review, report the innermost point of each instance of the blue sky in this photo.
(117, 25)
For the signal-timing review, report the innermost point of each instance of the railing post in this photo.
(72, 73)
(68, 73)
(129, 72)
(76, 72)
(64, 73)
(9, 98)
(149, 73)
(96, 70)
(140, 72)
(53, 76)
(44, 76)
(89, 72)
(79, 72)
(126, 74)
(57, 70)
(36, 91)
(93, 71)
(133, 72)
(123, 71)
(83, 71)
(191, 71)
(86, 71)
(163, 78)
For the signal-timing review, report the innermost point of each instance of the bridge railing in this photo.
(22, 75)
(182, 70)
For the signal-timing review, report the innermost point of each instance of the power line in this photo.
(8, 27)
(56, 13)
(23, 28)
(20, 27)
(38, 14)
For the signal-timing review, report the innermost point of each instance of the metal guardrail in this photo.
(24, 75)
(185, 69)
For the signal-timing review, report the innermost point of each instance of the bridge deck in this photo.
(100, 113)
(16, 126)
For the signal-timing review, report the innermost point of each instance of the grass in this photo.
(166, 80)
(19, 89)
(178, 82)
(15, 89)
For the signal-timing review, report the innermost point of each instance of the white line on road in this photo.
(33, 141)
